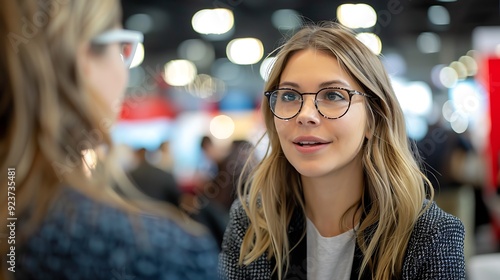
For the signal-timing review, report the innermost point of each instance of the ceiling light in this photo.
(222, 127)
(460, 69)
(245, 51)
(179, 72)
(356, 15)
(213, 21)
(265, 67)
(429, 42)
(448, 77)
(438, 15)
(372, 41)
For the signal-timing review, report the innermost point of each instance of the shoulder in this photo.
(84, 237)
(435, 221)
(237, 211)
(436, 246)
(229, 267)
(137, 225)
(238, 222)
(435, 227)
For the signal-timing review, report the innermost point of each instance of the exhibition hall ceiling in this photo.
(399, 24)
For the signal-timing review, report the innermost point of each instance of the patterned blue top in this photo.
(83, 239)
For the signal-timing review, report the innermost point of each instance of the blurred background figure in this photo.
(166, 161)
(213, 154)
(228, 166)
(153, 181)
(217, 181)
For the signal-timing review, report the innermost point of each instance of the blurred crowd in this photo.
(454, 165)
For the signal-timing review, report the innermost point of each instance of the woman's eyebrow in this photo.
(322, 85)
(334, 83)
(289, 84)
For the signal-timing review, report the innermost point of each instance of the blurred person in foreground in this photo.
(339, 194)
(64, 70)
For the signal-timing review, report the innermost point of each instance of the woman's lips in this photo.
(309, 144)
(307, 148)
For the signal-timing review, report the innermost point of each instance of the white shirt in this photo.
(329, 258)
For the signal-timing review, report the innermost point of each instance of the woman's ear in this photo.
(368, 132)
(370, 123)
(83, 59)
(88, 65)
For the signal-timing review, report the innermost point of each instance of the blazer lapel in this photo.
(356, 264)
(298, 256)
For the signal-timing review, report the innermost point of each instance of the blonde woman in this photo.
(339, 194)
(64, 66)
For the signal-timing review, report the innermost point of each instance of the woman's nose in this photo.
(308, 115)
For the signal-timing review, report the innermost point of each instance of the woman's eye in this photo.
(333, 96)
(289, 96)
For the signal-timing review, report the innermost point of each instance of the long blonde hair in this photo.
(50, 115)
(394, 183)
(48, 112)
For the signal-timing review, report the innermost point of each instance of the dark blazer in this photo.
(435, 249)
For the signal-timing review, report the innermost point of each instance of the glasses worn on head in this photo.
(331, 102)
(128, 39)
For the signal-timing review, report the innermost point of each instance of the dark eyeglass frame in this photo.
(350, 92)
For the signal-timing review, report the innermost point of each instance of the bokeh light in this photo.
(372, 41)
(222, 127)
(179, 72)
(138, 56)
(265, 67)
(213, 21)
(429, 42)
(356, 15)
(245, 51)
(438, 15)
(448, 77)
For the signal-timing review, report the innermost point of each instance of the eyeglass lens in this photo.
(330, 102)
(126, 52)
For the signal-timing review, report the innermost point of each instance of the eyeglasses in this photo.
(331, 102)
(128, 39)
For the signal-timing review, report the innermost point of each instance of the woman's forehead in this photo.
(311, 67)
